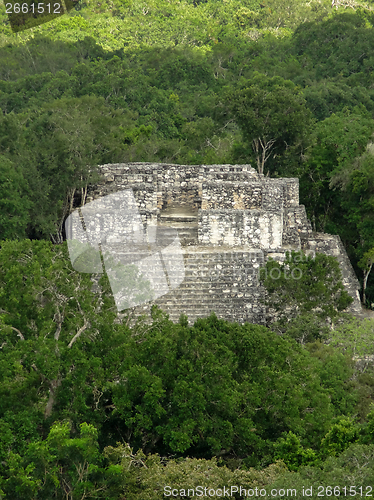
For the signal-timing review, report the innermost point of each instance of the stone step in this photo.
(188, 234)
(165, 225)
(201, 299)
(225, 176)
(213, 302)
(186, 231)
(178, 218)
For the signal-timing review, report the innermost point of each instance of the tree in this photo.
(356, 181)
(151, 473)
(341, 435)
(217, 388)
(56, 145)
(302, 285)
(336, 371)
(366, 264)
(367, 429)
(354, 337)
(325, 97)
(213, 388)
(68, 465)
(335, 143)
(272, 115)
(14, 202)
(278, 14)
(46, 308)
(337, 47)
(294, 455)
(330, 478)
(76, 135)
(62, 466)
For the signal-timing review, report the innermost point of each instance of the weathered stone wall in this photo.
(230, 220)
(254, 228)
(230, 195)
(173, 183)
(296, 227)
(280, 193)
(158, 185)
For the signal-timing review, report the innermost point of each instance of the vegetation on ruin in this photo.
(94, 409)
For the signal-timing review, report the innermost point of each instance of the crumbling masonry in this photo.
(230, 220)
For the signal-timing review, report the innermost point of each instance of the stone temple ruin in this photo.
(230, 220)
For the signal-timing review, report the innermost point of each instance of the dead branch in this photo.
(81, 329)
(262, 149)
(19, 333)
(79, 333)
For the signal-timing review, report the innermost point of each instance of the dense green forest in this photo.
(91, 408)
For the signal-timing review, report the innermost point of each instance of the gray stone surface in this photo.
(229, 219)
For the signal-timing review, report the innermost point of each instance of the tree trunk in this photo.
(54, 384)
(366, 275)
(262, 148)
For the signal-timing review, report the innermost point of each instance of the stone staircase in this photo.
(185, 222)
(215, 281)
(185, 226)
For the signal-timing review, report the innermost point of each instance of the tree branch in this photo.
(59, 324)
(19, 333)
(81, 329)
